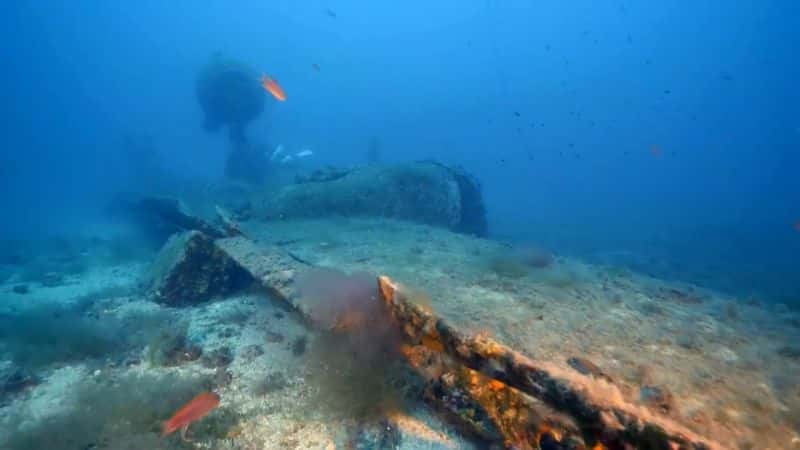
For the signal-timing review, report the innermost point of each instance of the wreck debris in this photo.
(229, 226)
(496, 412)
(271, 266)
(190, 268)
(175, 212)
(487, 389)
(614, 425)
(424, 192)
(328, 173)
(171, 214)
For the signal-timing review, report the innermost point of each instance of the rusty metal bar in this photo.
(612, 425)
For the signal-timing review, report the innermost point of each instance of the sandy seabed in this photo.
(726, 368)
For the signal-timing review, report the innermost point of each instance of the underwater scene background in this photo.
(350, 224)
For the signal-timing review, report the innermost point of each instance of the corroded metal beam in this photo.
(614, 425)
(270, 266)
(484, 387)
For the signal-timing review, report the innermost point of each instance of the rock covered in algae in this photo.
(190, 269)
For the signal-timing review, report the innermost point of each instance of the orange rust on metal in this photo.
(495, 385)
(495, 411)
(613, 425)
(517, 416)
(432, 343)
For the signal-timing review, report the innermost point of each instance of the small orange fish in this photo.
(193, 411)
(273, 88)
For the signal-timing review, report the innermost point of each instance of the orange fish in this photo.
(273, 88)
(193, 411)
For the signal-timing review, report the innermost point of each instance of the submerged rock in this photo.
(21, 289)
(52, 279)
(790, 351)
(15, 381)
(190, 269)
(425, 192)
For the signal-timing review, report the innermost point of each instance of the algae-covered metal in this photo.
(522, 398)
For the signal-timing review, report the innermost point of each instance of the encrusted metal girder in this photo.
(487, 363)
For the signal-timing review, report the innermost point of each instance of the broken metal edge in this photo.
(615, 425)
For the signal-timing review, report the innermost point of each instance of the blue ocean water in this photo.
(556, 108)
(663, 137)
